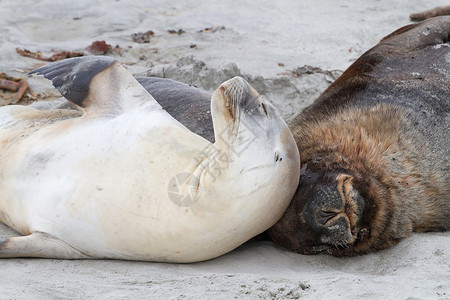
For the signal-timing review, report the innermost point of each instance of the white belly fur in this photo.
(101, 187)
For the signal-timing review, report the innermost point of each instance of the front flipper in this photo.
(40, 245)
(187, 104)
(98, 85)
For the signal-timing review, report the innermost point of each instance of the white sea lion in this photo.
(127, 181)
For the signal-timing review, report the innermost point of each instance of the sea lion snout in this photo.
(231, 91)
(237, 94)
(327, 216)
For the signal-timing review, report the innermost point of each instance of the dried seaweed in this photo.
(56, 56)
(17, 85)
(99, 47)
(179, 31)
(212, 29)
(308, 70)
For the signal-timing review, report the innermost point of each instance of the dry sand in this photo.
(264, 41)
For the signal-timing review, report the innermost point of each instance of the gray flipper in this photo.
(72, 76)
(187, 104)
(98, 85)
(39, 245)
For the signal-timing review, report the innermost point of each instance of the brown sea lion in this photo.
(375, 149)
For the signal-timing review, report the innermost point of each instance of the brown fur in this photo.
(374, 137)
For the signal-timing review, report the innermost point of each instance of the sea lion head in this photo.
(244, 120)
(259, 146)
(325, 215)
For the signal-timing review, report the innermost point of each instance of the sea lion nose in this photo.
(323, 207)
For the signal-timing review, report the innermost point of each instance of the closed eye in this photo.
(326, 216)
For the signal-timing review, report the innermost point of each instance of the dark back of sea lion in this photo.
(187, 104)
(407, 70)
(375, 149)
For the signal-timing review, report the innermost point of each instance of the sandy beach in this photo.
(290, 51)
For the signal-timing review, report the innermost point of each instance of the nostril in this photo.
(277, 156)
(326, 216)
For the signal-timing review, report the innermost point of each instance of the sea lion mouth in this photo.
(334, 245)
(338, 248)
